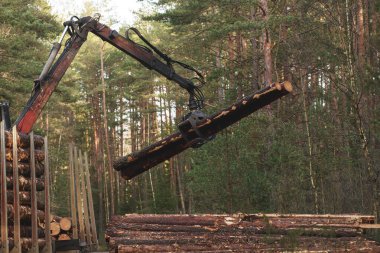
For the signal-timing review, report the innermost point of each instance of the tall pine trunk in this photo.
(106, 134)
(267, 45)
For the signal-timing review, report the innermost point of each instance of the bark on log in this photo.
(347, 217)
(154, 231)
(55, 218)
(258, 243)
(138, 162)
(25, 214)
(24, 168)
(184, 220)
(25, 199)
(25, 184)
(23, 140)
(65, 224)
(24, 156)
(26, 244)
(218, 221)
(26, 231)
(331, 246)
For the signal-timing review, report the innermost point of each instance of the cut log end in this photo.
(55, 228)
(288, 86)
(65, 224)
(278, 86)
(64, 237)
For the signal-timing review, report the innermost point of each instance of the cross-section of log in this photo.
(138, 162)
(65, 224)
(55, 228)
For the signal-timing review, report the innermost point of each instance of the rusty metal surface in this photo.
(239, 233)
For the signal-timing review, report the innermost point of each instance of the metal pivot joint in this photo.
(189, 124)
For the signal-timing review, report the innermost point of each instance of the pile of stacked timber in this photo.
(25, 188)
(239, 233)
(61, 228)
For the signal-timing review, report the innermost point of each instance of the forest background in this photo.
(314, 151)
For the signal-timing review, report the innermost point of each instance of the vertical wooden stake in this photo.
(85, 202)
(3, 190)
(90, 202)
(34, 248)
(48, 246)
(72, 193)
(16, 196)
(78, 195)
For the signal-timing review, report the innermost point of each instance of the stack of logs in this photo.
(240, 233)
(25, 185)
(61, 228)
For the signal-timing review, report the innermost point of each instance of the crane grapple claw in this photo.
(189, 124)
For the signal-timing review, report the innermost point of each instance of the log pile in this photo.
(24, 180)
(61, 229)
(239, 233)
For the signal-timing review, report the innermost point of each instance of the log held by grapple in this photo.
(138, 162)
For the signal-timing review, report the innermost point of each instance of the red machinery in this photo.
(78, 28)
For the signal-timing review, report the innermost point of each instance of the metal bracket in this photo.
(4, 114)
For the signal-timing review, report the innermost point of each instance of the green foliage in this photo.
(24, 31)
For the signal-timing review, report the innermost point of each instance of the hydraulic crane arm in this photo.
(79, 29)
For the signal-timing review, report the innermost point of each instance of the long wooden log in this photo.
(258, 220)
(26, 244)
(138, 162)
(239, 233)
(168, 219)
(157, 232)
(24, 199)
(257, 243)
(24, 169)
(156, 226)
(24, 155)
(25, 184)
(25, 214)
(131, 230)
(23, 140)
(354, 218)
(26, 231)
